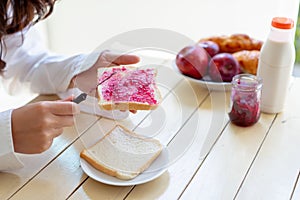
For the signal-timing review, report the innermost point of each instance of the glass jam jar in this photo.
(245, 99)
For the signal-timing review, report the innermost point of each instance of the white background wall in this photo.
(82, 25)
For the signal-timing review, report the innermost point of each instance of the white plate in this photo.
(210, 85)
(157, 168)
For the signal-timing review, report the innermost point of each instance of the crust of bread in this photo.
(89, 158)
(128, 105)
(119, 174)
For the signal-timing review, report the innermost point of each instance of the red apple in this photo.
(192, 61)
(211, 47)
(223, 67)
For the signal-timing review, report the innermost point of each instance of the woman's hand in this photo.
(87, 80)
(35, 125)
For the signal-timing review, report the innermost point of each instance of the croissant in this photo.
(235, 42)
(248, 60)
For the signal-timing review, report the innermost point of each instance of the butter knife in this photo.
(83, 95)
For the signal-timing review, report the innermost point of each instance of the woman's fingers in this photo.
(120, 59)
(57, 132)
(64, 108)
(57, 121)
(70, 98)
(34, 133)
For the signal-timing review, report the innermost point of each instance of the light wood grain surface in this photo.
(210, 158)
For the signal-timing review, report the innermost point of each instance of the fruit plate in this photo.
(205, 82)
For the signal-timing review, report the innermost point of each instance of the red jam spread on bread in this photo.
(129, 85)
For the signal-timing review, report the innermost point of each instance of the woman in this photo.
(31, 129)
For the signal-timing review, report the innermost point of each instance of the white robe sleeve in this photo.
(29, 62)
(8, 159)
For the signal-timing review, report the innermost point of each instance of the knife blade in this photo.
(83, 95)
(106, 78)
(102, 82)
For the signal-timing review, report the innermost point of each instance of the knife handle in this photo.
(80, 98)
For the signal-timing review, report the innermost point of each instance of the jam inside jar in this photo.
(245, 99)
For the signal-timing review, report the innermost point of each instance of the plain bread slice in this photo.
(122, 153)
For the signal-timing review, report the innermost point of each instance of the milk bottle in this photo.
(276, 63)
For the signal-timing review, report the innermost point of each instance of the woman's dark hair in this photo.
(15, 15)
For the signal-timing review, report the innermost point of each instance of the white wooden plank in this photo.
(223, 170)
(185, 154)
(55, 181)
(96, 190)
(274, 172)
(296, 192)
(164, 122)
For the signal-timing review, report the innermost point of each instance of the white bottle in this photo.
(275, 66)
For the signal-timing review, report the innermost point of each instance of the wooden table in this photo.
(210, 157)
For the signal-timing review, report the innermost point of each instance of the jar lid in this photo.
(282, 22)
(247, 82)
